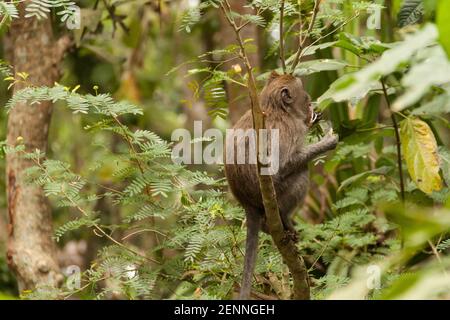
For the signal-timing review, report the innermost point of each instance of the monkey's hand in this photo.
(310, 152)
(330, 140)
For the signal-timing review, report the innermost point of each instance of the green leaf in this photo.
(310, 67)
(349, 43)
(361, 45)
(442, 21)
(254, 19)
(419, 79)
(311, 50)
(440, 104)
(358, 84)
(313, 66)
(401, 286)
(444, 155)
(418, 224)
(378, 171)
(419, 149)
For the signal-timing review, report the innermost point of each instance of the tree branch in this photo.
(62, 45)
(285, 244)
(398, 142)
(302, 40)
(282, 58)
(300, 52)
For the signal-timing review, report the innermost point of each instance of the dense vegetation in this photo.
(130, 223)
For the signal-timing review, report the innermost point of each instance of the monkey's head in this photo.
(285, 93)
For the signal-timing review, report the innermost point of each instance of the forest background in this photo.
(92, 206)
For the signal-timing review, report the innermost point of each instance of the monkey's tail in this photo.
(251, 251)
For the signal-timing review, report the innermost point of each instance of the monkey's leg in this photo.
(254, 221)
(286, 216)
(292, 192)
(288, 223)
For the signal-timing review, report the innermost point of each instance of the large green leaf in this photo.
(358, 84)
(420, 151)
(439, 104)
(310, 67)
(313, 66)
(310, 50)
(378, 171)
(442, 20)
(361, 45)
(419, 79)
(429, 283)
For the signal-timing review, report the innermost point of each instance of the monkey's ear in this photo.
(273, 76)
(286, 97)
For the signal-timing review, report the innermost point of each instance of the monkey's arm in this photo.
(308, 153)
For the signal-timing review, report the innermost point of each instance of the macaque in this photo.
(287, 107)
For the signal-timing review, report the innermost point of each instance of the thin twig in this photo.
(313, 19)
(83, 287)
(325, 246)
(258, 12)
(115, 18)
(143, 230)
(438, 256)
(129, 142)
(301, 51)
(282, 58)
(329, 33)
(398, 142)
(300, 33)
(139, 164)
(302, 39)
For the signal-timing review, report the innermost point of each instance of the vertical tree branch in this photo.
(286, 246)
(282, 58)
(398, 142)
(300, 24)
(238, 100)
(302, 40)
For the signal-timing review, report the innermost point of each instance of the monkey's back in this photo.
(242, 178)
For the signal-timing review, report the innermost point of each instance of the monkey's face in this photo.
(285, 93)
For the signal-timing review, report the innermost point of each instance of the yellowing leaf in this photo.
(419, 149)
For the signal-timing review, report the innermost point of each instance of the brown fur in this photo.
(287, 107)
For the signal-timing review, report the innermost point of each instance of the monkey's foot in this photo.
(291, 235)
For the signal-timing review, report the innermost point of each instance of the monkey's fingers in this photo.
(330, 132)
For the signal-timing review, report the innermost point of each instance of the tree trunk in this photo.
(31, 251)
(238, 99)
